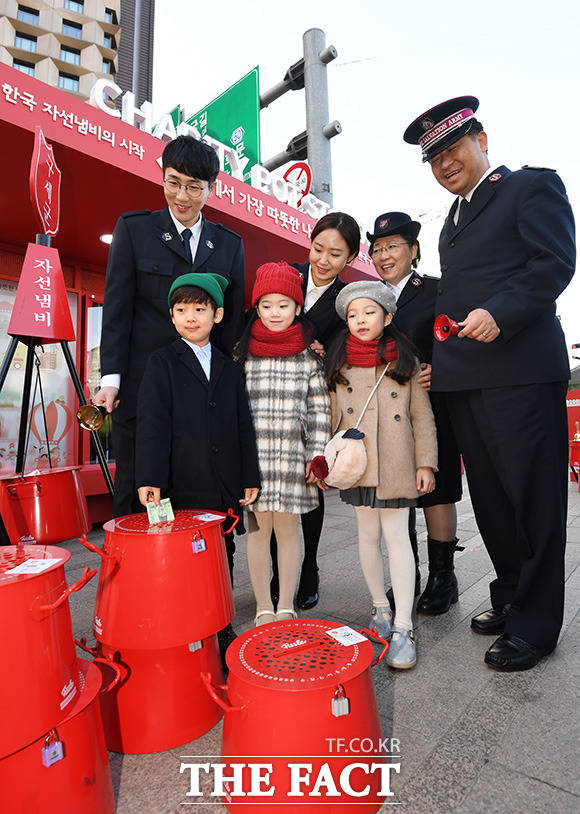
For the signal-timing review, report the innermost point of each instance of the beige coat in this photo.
(399, 432)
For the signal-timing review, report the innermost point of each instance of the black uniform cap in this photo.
(442, 125)
(393, 223)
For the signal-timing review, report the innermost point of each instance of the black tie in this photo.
(186, 237)
(463, 211)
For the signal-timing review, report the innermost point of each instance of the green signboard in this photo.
(234, 119)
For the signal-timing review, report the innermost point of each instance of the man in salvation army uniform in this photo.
(507, 252)
(148, 252)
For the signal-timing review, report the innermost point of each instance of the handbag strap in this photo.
(373, 391)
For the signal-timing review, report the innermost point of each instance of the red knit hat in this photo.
(278, 278)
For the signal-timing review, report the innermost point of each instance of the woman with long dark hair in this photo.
(335, 242)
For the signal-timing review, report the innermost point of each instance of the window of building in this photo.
(71, 55)
(67, 81)
(25, 41)
(74, 6)
(72, 29)
(109, 41)
(28, 15)
(110, 16)
(108, 66)
(25, 67)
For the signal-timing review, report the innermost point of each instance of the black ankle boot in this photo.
(441, 590)
(390, 595)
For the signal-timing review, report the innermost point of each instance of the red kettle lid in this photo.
(22, 562)
(299, 654)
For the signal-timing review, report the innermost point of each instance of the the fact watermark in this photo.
(337, 776)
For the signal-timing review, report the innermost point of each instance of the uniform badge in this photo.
(495, 177)
(384, 222)
(167, 236)
(427, 124)
(209, 244)
(415, 281)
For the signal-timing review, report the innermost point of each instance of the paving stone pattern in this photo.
(471, 740)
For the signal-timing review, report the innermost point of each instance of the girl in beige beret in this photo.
(400, 444)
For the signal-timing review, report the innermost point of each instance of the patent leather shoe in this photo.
(491, 622)
(306, 601)
(307, 596)
(510, 653)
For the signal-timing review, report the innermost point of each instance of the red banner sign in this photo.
(45, 184)
(41, 307)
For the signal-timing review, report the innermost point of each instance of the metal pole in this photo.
(137, 50)
(20, 452)
(316, 88)
(82, 400)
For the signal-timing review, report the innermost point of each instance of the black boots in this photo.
(441, 590)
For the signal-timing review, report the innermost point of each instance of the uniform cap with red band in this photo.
(442, 125)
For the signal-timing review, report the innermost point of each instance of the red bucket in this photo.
(162, 585)
(46, 508)
(160, 701)
(39, 659)
(81, 780)
(295, 691)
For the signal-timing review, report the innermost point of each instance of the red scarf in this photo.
(364, 354)
(264, 342)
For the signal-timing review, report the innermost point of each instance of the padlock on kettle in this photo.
(53, 749)
(340, 705)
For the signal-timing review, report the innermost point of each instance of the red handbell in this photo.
(444, 327)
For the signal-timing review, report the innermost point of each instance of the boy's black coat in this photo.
(195, 439)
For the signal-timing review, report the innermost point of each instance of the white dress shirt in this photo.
(396, 289)
(469, 195)
(203, 353)
(114, 379)
(314, 292)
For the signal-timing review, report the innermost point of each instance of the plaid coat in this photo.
(291, 408)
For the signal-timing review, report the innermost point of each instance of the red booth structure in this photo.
(108, 167)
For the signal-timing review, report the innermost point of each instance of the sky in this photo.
(395, 60)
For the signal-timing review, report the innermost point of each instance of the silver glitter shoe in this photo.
(382, 620)
(402, 652)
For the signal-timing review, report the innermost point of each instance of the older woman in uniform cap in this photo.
(395, 252)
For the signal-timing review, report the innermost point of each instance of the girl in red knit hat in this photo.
(291, 408)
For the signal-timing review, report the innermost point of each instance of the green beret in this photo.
(214, 284)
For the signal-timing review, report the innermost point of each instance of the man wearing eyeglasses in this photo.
(148, 252)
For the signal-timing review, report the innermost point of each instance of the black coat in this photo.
(195, 439)
(146, 256)
(416, 313)
(513, 255)
(322, 315)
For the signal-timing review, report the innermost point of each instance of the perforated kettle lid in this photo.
(299, 654)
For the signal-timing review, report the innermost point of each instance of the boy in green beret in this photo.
(195, 439)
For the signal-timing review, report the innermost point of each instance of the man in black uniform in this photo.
(507, 252)
(149, 251)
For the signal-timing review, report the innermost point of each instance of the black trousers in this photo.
(514, 442)
(125, 499)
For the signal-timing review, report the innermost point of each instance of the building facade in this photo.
(71, 43)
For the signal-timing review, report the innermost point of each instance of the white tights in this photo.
(259, 560)
(395, 527)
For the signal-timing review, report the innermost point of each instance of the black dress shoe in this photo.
(490, 622)
(306, 601)
(510, 653)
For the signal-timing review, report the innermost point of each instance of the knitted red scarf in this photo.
(364, 354)
(264, 342)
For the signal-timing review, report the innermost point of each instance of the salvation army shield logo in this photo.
(45, 179)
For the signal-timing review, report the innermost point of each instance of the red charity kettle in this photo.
(444, 327)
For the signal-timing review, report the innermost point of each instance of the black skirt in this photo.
(448, 487)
